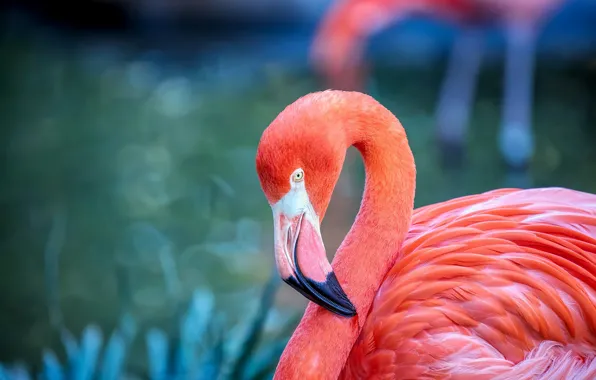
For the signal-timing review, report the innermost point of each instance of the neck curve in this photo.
(322, 341)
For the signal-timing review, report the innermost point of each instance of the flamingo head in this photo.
(298, 161)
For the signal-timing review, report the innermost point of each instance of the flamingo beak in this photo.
(302, 262)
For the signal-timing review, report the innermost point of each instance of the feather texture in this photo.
(500, 285)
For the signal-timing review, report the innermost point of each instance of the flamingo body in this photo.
(496, 284)
(529, 11)
(338, 45)
(339, 40)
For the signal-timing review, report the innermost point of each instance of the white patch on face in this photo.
(291, 206)
(296, 202)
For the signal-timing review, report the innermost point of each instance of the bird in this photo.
(496, 285)
(337, 48)
(339, 41)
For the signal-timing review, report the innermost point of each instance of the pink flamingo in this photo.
(338, 48)
(499, 285)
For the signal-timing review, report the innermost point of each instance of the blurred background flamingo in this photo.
(136, 240)
(339, 48)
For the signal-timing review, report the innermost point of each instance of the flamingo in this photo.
(498, 285)
(338, 47)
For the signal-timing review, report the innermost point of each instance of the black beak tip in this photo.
(334, 297)
(328, 294)
(347, 311)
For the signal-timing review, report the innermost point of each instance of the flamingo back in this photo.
(500, 285)
(527, 11)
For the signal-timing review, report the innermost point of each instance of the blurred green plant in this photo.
(199, 349)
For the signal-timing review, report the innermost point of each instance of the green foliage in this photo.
(198, 348)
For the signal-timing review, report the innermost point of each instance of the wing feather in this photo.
(488, 285)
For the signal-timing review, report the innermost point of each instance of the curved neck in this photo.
(322, 341)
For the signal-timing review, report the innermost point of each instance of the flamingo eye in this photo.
(298, 175)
